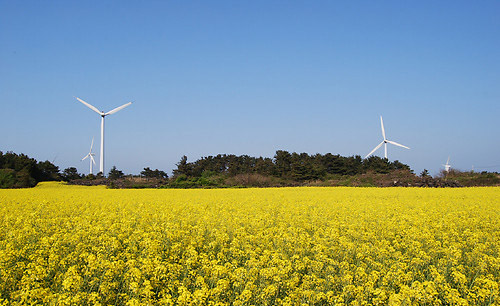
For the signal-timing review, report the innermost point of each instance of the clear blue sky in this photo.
(251, 77)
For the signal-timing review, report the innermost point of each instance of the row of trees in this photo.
(19, 170)
(70, 174)
(286, 165)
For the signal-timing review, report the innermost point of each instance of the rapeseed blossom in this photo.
(72, 245)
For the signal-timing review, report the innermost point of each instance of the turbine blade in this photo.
(91, 144)
(117, 109)
(86, 156)
(376, 148)
(397, 144)
(382, 125)
(92, 158)
(90, 106)
(448, 161)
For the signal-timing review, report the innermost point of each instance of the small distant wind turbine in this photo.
(447, 166)
(91, 156)
(385, 142)
(103, 114)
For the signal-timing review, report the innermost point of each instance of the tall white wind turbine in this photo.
(91, 156)
(103, 114)
(447, 166)
(385, 142)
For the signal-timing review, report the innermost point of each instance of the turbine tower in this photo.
(447, 166)
(91, 156)
(385, 142)
(103, 114)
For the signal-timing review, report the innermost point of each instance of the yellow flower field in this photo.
(72, 245)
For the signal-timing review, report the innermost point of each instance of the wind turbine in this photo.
(91, 156)
(103, 114)
(385, 141)
(447, 166)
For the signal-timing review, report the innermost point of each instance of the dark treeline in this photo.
(19, 170)
(285, 165)
(227, 170)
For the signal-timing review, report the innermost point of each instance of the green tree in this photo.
(183, 167)
(47, 171)
(282, 160)
(300, 167)
(26, 171)
(115, 173)
(70, 174)
(7, 178)
(377, 164)
(400, 166)
(148, 173)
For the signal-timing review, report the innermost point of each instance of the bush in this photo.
(251, 180)
(7, 178)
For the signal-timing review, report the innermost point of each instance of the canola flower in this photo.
(72, 245)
